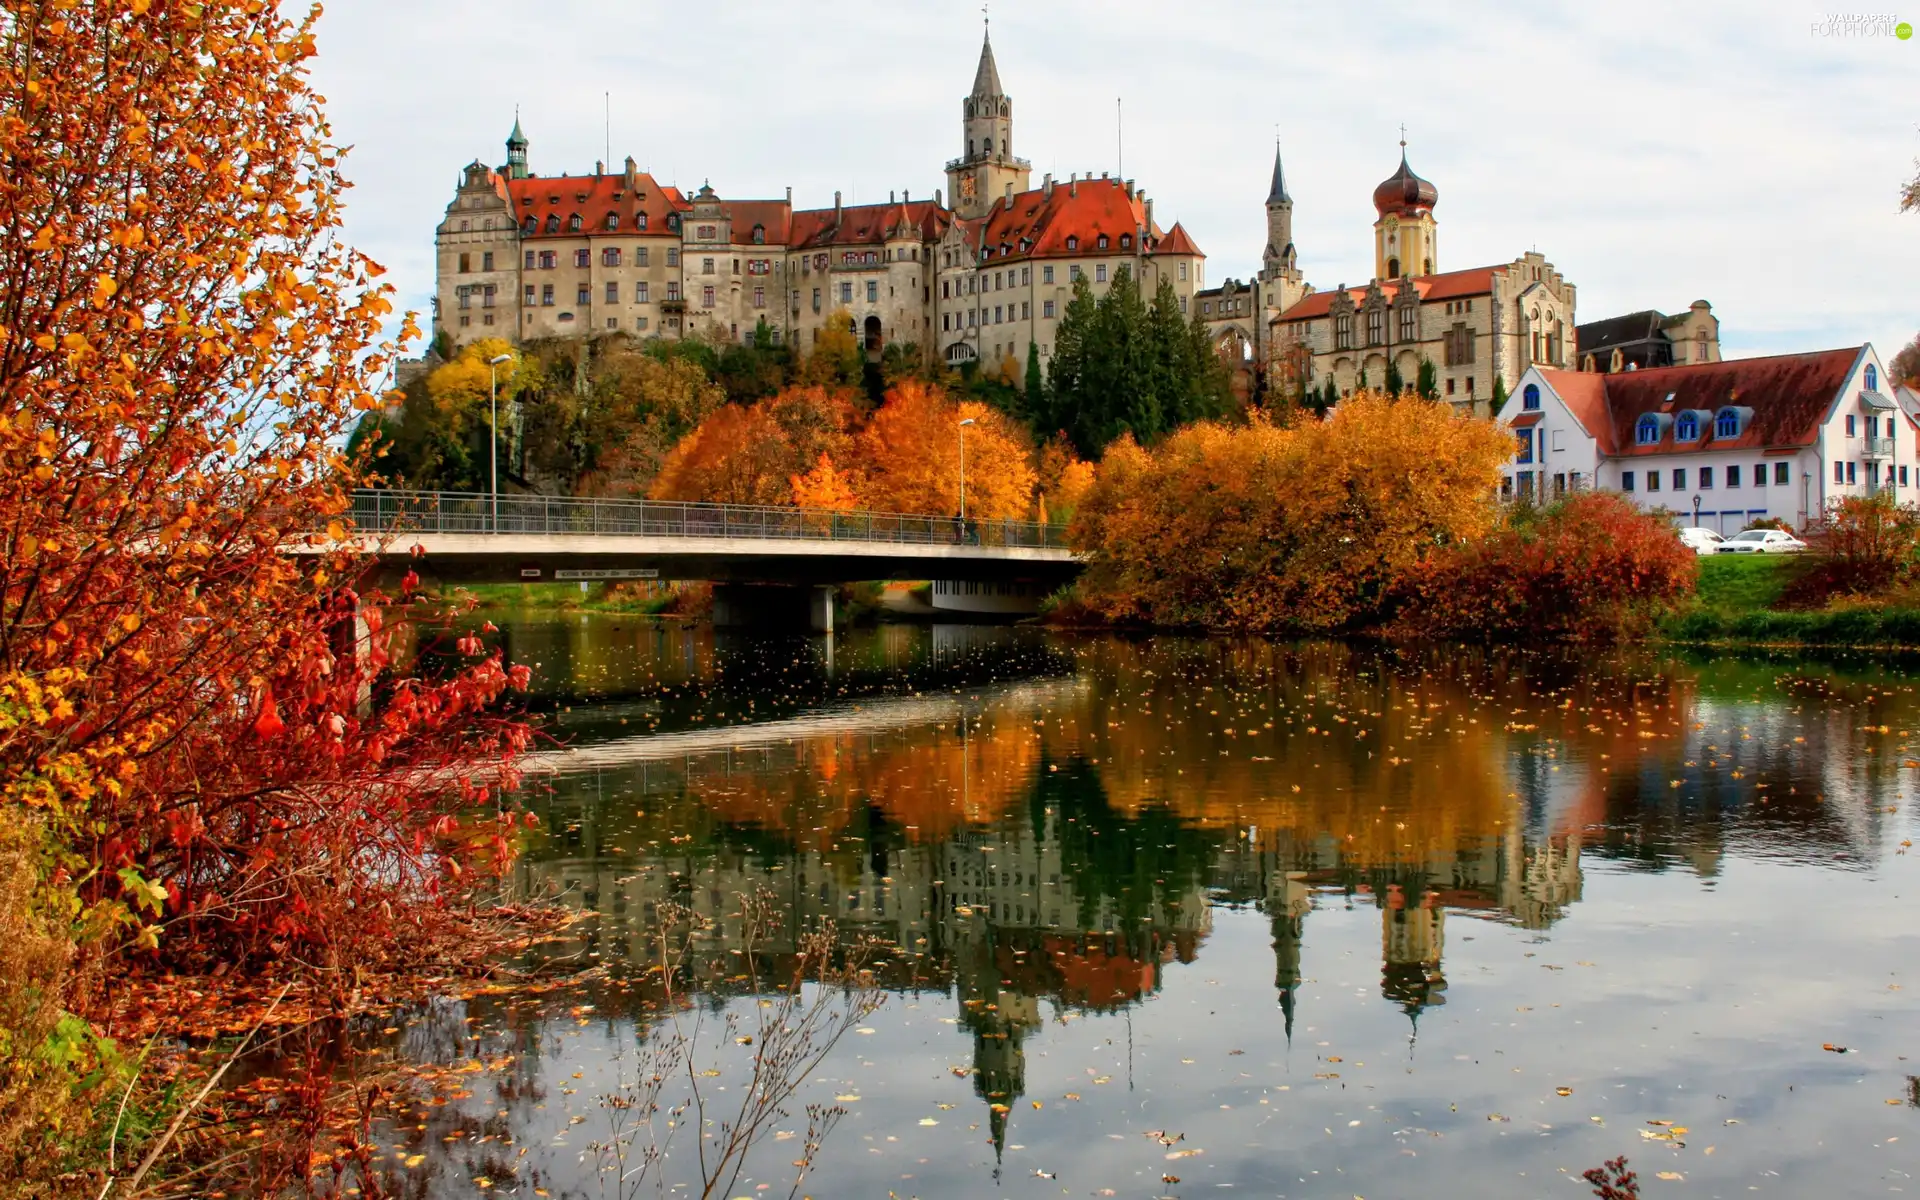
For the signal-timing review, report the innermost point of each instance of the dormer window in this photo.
(1727, 423)
(1873, 378)
(531, 225)
(553, 222)
(1126, 241)
(673, 222)
(1530, 397)
(613, 220)
(1073, 243)
(1647, 432)
(1102, 242)
(1686, 428)
(640, 220)
(573, 223)
(759, 235)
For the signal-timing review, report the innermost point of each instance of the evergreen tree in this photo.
(1362, 386)
(1499, 396)
(1395, 384)
(1429, 385)
(1327, 398)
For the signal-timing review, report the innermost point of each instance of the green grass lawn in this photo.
(1738, 583)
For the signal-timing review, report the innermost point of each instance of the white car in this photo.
(1700, 540)
(1762, 541)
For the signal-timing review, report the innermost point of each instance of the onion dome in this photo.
(1404, 193)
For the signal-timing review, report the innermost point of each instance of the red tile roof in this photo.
(774, 216)
(1038, 224)
(1790, 395)
(593, 197)
(865, 224)
(1450, 285)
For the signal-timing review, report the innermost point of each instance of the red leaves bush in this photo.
(1868, 544)
(1588, 568)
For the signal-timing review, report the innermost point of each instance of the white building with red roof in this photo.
(524, 256)
(1720, 444)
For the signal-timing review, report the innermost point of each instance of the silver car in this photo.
(1762, 541)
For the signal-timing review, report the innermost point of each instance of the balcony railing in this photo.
(1878, 448)
(378, 512)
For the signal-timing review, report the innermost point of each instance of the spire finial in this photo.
(1403, 139)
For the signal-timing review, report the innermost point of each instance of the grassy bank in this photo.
(1735, 605)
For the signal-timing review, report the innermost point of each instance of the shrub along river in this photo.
(1181, 917)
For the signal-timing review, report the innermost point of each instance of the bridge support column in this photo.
(773, 606)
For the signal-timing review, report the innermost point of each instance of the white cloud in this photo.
(1655, 154)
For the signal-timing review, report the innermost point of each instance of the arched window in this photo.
(1393, 268)
(1873, 378)
(1648, 431)
(573, 223)
(1530, 397)
(969, 147)
(759, 235)
(1687, 428)
(986, 146)
(1727, 424)
(553, 222)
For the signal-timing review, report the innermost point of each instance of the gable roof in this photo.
(1449, 285)
(864, 224)
(1629, 328)
(1037, 223)
(593, 197)
(775, 217)
(1790, 396)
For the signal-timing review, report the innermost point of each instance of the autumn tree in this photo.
(1905, 366)
(910, 450)
(191, 715)
(1305, 528)
(835, 359)
(751, 455)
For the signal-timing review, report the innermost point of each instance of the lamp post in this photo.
(963, 472)
(493, 438)
(1696, 510)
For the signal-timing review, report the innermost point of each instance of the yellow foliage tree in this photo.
(911, 452)
(1305, 528)
(458, 387)
(751, 455)
(835, 359)
(825, 486)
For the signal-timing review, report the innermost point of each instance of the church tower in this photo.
(516, 167)
(1405, 238)
(1280, 276)
(979, 178)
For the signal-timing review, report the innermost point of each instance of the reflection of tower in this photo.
(999, 1059)
(1412, 937)
(1287, 905)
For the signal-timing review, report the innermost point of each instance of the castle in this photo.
(975, 276)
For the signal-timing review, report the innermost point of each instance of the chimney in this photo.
(1009, 194)
(889, 196)
(836, 205)
(789, 197)
(633, 173)
(1073, 184)
(599, 168)
(1046, 185)
(904, 198)
(1103, 174)
(1149, 207)
(936, 199)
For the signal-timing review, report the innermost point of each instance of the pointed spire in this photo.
(986, 80)
(1277, 194)
(516, 138)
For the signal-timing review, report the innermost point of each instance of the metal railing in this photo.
(1878, 447)
(475, 512)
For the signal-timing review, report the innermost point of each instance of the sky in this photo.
(1656, 154)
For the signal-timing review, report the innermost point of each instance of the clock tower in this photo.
(981, 177)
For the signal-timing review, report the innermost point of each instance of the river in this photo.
(1173, 917)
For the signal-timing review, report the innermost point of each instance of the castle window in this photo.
(548, 259)
(1103, 241)
(486, 260)
(1647, 432)
(1376, 326)
(673, 222)
(553, 222)
(580, 257)
(529, 294)
(1100, 273)
(640, 221)
(1073, 243)
(1530, 398)
(613, 220)
(1408, 323)
(1126, 241)
(1393, 268)
(706, 297)
(529, 262)
(546, 295)
(1343, 332)
(639, 256)
(759, 235)
(613, 292)
(1046, 273)
(673, 289)
(466, 263)
(530, 226)
(706, 266)
(1046, 309)
(1687, 428)
(573, 223)
(610, 257)
(580, 295)
(640, 292)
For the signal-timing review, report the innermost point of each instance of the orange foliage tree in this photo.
(183, 704)
(911, 452)
(1303, 528)
(751, 455)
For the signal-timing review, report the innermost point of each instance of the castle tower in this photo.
(516, 152)
(1405, 238)
(1279, 257)
(981, 175)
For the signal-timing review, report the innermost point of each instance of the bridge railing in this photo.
(477, 512)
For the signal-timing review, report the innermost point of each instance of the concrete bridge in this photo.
(769, 564)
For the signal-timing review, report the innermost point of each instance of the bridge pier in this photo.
(773, 606)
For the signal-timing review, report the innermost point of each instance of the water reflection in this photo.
(1043, 829)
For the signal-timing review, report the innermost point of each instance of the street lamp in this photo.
(963, 472)
(493, 436)
(1696, 510)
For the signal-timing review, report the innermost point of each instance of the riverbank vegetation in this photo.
(207, 768)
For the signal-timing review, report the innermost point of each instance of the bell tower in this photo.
(1279, 266)
(981, 175)
(1406, 237)
(516, 152)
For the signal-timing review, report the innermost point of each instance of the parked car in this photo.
(1762, 541)
(1700, 540)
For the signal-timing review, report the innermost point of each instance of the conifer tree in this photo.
(1395, 384)
(1035, 384)
(1429, 385)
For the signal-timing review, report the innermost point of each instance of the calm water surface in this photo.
(1355, 922)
